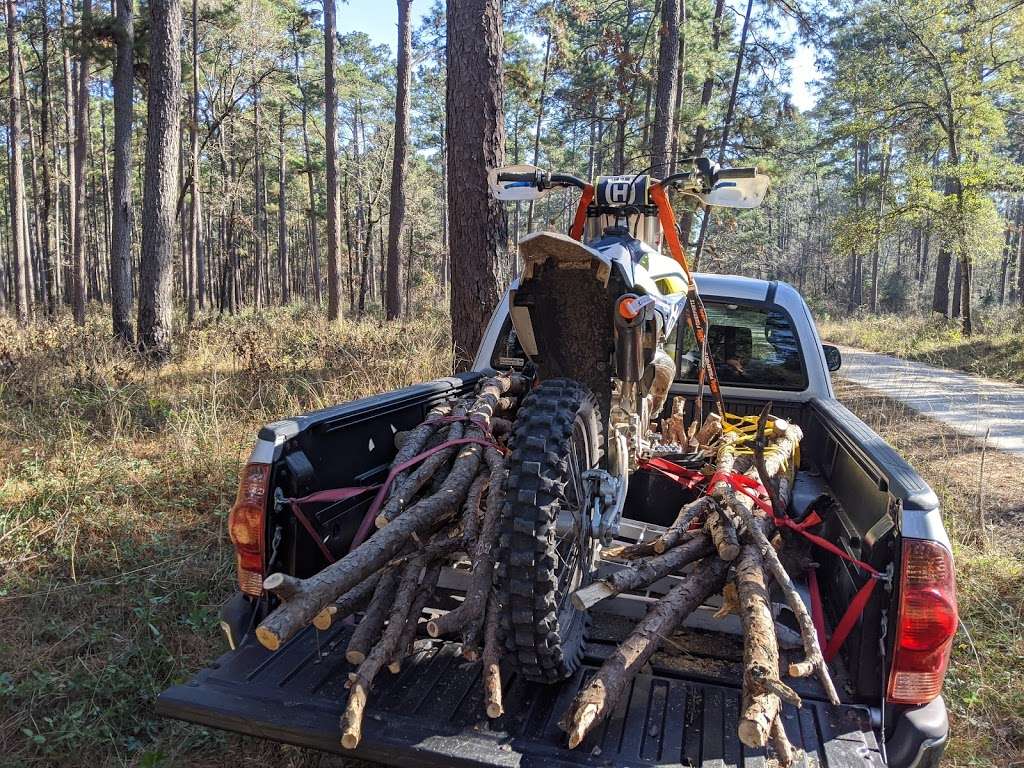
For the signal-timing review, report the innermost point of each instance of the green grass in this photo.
(114, 490)
(993, 350)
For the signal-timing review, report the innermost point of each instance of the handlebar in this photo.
(544, 179)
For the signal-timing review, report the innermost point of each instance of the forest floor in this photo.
(994, 350)
(114, 559)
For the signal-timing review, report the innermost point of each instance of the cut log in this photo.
(471, 508)
(353, 601)
(368, 631)
(675, 532)
(723, 533)
(673, 429)
(783, 748)
(642, 573)
(606, 688)
(492, 670)
(405, 490)
(339, 577)
(710, 430)
(760, 649)
(470, 614)
(426, 591)
(361, 680)
(282, 585)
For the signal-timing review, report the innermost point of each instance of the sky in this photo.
(379, 19)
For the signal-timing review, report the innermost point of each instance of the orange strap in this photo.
(576, 232)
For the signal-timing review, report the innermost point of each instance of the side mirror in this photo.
(523, 188)
(833, 357)
(738, 193)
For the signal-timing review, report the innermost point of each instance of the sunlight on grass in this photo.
(113, 500)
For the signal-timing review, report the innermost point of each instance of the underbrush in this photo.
(993, 350)
(114, 491)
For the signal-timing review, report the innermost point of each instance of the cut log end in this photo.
(381, 521)
(395, 667)
(355, 657)
(660, 546)
(433, 629)
(282, 585)
(801, 669)
(325, 618)
(470, 653)
(268, 639)
(582, 721)
(352, 720)
(592, 594)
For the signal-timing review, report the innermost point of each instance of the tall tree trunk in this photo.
(331, 131)
(876, 254)
(258, 212)
(282, 211)
(69, 150)
(194, 235)
(121, 237)
(16, 174)
(49, 273)
(475, 135)
(160, 186)
(665, 99)
(396, 220)
(81, 150)
(314, 240)
(943, 264)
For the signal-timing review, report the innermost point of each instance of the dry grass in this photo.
(114, 489)
(115, 485)
(985, 685)
(994, 350)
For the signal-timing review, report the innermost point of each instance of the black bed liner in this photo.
(430, 713)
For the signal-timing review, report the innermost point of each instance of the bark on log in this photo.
(643, 573)
(760, 649)
(405, 487)
(605, 689)
(673, 429)
(710, 430)
(341, 576)
(361, 680)
(675, 532)
(723, 533)
(492, 669)
(353, 601)
(368, 631)
(470, 614)
(783, 748)
(408, 639)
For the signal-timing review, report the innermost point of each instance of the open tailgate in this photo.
(431, 713)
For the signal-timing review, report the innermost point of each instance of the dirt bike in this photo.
(593, 311)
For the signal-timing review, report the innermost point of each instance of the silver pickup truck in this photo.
(683, 710)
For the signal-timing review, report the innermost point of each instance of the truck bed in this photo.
(682, 710)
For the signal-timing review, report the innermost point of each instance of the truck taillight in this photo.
(927, 623)
(247, 526)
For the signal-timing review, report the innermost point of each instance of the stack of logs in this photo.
(724, 541)
(434, 511)
(447, 506)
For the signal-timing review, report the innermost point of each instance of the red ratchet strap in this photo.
(753, 489)
(688, 478)
(336, 495)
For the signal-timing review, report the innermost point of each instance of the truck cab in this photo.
(684, 709)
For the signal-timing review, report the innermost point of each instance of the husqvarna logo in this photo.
(618, 192)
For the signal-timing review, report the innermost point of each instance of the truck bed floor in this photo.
(431, 713)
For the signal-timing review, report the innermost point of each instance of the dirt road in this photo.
(970, 404)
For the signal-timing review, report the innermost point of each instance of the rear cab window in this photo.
(752, 346)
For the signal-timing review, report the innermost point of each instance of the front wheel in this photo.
(545, 546)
